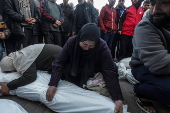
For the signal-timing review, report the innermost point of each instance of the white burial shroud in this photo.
(9, 106)
(68, 99)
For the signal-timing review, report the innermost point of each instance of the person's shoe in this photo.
(146, 106)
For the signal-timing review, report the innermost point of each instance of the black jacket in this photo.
(13, 17)
(47, 19)
(68, 18)
(90, 14)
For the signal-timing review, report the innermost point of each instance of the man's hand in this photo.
(33, 20)
(119, 106)
(73, 33)
(50, 93)
(120, 32)
(2, 35)
(4, 88)
(28, 20)
(58, 22)
(55, 25)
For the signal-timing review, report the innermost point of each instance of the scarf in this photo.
(79, 56)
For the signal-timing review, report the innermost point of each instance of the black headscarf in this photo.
(86, 57)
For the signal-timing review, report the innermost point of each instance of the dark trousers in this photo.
(108, 37)
(126, 47)
(53, 37)
(29, 38)
(116, 43)
(64, 38)
(13, 43)
(153, 87)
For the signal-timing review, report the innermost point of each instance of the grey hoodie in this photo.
(151, 47)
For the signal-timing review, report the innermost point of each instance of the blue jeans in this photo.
(108, 37)
(1, 51)
(153, 87)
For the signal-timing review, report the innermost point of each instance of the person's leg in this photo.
(49, 38)
(33, 39)
(114, 45)
(123, 46)
(151, 86)
(110, 40)
(27, 32)
(10, 44)
(64, 38)
(129, 47)
(1, 51)
(57, 38)
(105, 37)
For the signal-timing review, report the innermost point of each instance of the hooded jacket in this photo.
(151, 47)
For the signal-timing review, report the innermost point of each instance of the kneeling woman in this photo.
(80, 58)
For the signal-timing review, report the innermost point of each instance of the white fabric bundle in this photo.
(124, 71)
(68, 99)
(9, 106)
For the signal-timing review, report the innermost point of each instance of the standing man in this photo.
(68, 21)
(129, 19)
(151, 56)
(21, 16)
(108, 22)
(52, 17)
(120, 8)
(83, 14)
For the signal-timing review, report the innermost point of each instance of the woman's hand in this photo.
(50, 93)
(4, 88)
(119, 106)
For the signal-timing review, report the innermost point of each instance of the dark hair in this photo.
(121, 0)
(91, 1)
(146, 1)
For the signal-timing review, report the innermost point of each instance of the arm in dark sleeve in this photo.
(61, 14)
(74, 19)
(9, 10)
(71, 17)
(94, 15)
(28, 76)
(110, 74)
(58, 65)
(121, 20)
(37, 15)
(44, 12)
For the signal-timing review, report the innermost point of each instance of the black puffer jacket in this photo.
(13, 17)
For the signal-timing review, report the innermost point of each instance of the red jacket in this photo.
(129, 19)
(108, 19)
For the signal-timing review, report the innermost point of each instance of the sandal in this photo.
(141, 104)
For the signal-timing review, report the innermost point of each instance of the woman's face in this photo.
(86, 45)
